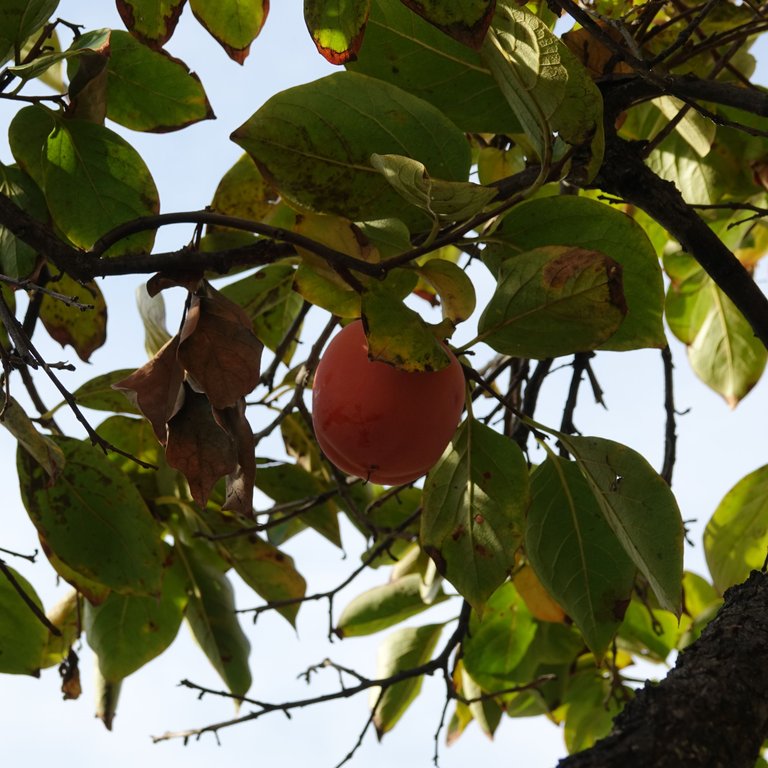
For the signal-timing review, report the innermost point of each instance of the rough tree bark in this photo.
(711, 711)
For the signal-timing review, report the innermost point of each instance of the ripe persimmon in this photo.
(378, 422)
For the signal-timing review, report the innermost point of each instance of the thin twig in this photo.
(670, 434)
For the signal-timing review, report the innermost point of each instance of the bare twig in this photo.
(670, 434)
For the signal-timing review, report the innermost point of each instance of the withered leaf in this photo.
(156, 387)
(240, 482)
(191, 280)
(198, 446)
(219, 350)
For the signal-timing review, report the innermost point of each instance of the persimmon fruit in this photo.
(378, 422)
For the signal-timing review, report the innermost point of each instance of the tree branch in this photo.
(711, 709)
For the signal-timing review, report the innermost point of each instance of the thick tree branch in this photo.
(711, 710)
(625, 175)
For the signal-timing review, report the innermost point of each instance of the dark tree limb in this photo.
(711, 710)
(625, 175)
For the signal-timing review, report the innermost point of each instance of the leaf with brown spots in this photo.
(198, 446)
(474, 507)
(150, 21)
(156, 388)
(337, 28)
(219, 349)
(465, 20)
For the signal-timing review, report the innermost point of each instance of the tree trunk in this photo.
(711, 711)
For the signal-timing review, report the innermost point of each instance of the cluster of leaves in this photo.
(352, 197)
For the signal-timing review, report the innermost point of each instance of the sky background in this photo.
(716, 448)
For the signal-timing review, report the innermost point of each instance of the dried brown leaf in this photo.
(156, 388)
(219, 350)
(199, 447)
(240, 482)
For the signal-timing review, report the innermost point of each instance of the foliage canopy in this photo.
(607, 170)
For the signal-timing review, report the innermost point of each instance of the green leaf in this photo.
(27, 136)
(211, 616)
(584, 223)
(554, 300)
(383, 606)
(498, 640)
(268, 571)
(99, 395)
(268, 298)
(698, 594)
(66, 617)
(451, 284)
(640, 508)
(465, 20)
(234, 24)
(736, 536)
(652, 636)
(89, 42)
(84, 330)
(94, 519)
(337, 27)
(486, 711)
(474, 502)
(107, 696)
(19, 19)
(591, 704)
(575, 553)
(294, 140)
(150, 21)
(397, 335)
(40, 447)
(285, 483)
(697, 130)
(127, 631)
(92, 590)
(17, 259)
(722, 348)
(404, 649)
(442, 200)
(244, 192)
(151, 91)
(549, 90)
(403, 49)
(23, 637)
(325, 292)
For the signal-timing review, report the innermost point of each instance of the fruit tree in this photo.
(369, 316)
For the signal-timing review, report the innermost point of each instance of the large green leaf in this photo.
(337, 27)
(17, 259)
(403, 649)
(548, 88)
(575, 553)
(294, 138)
(151, 21)
(212, 618)
(474, 501)
(41, 447)
(640, 508)
(403, 49)
(150, 91)
(736, 536)
(584, 223)
(591, 702)
(23, 637)
(498, 640)
(722, 348)
(383, 606)
(234, 24)
(552, 301)
(93, 519)
(19, 19)
(127, 631)
(92, 179)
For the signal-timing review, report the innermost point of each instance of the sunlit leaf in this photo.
(736, 536)
(41, 447)
(403, 649)
(590, 709)
(23, 636)
(337, 27)
(234, 24)
(150, 21)
(19, 19)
